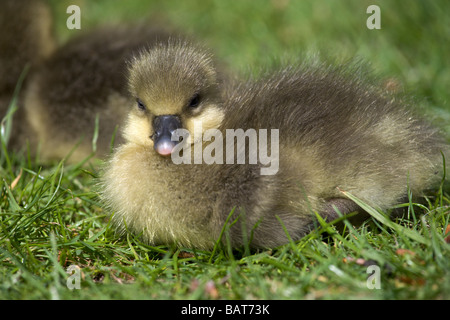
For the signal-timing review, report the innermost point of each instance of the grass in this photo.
(50, 217)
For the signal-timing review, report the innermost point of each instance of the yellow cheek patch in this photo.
(210, 118)
(137, 130)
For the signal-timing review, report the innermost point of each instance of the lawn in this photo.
(51, 219)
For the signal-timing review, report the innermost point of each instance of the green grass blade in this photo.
(412, 234)
(225, 226)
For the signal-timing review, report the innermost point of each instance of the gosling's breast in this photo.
(167, 202)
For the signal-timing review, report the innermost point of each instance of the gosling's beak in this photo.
(164, 127)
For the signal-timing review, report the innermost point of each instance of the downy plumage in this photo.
(336, 133)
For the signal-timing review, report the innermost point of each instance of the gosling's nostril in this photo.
(157, 122)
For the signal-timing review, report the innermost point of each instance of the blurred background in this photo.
(411, 50)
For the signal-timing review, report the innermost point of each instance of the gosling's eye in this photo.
(140, 104)
(195, 101)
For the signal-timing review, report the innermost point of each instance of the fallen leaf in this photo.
(402, 252)
(184, 254)
(16, 180)
(447, 232)
(412, 282)
(211, 290)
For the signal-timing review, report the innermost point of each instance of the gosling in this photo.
(67, 86)
(25, 41)
(335, 133)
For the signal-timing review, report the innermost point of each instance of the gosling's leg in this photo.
(344, 206)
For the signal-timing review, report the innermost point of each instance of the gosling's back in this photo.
(361, 137)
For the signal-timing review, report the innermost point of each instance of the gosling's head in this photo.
(175, 86)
